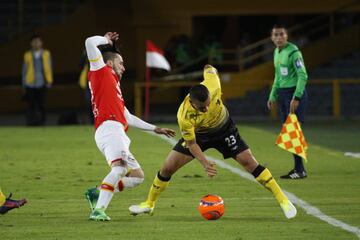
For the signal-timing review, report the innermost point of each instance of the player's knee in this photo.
(118, 171)
(138, 173)
(247, 160)
(131, 182)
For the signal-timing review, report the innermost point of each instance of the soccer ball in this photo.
(211, 207)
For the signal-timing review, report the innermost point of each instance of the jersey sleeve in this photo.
(275, 86)
(211, 79)
(137, 122)
(93, 52)
(302, 77)
(274, 90)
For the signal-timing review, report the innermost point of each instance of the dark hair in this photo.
(34, 36)
(199, 92)
(109, 56)
(279, 25)
(109, 52)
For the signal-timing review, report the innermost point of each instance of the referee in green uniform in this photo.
(288, 89)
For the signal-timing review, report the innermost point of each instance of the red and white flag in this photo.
(155, 57)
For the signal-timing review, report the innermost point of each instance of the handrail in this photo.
(260, 48)
(303, 28)
(292, 29)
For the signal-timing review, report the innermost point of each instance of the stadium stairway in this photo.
(315, 54)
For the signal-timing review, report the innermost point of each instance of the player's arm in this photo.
(302, 77)
(274, 89)
(273, 94)
(211, 78)
(134, 121)
(299, 66)
(93, 53)
(199, 155)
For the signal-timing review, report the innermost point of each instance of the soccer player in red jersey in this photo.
(111, 123)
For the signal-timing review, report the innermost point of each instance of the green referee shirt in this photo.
(289, 71)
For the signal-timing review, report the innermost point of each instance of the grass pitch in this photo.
(52, 167)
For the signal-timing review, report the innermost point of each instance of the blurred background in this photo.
(232, 35)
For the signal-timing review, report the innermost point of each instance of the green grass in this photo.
(52, 167)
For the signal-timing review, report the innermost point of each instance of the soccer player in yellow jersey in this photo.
(205, 123)
(7, 204)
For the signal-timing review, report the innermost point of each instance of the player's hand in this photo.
(112, 37)
(294, 105)
(207, 66)
(270, 104)
(210, 169)
(165, 131)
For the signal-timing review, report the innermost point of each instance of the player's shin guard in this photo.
(264, 177)
(159, 184)
(107, 187)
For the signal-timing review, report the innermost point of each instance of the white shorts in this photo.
(112, 141)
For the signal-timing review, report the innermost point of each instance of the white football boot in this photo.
(142, 208)
(288, 209)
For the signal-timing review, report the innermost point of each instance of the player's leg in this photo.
(299, 167)
(41, 100)
(173, 162)
(132, 179)
(265, 178)
(107, 189)
(7, 204)
(285, 97)
(2, 198)
(113, 143)
(31, 117)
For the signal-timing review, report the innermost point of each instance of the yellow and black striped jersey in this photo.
(192, 121)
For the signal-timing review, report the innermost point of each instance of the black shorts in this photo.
(226, 140)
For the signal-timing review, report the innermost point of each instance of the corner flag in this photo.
(154, 59)
(291, 137)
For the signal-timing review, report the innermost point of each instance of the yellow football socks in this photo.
(266, 179)
(2, 198)
(156, 188)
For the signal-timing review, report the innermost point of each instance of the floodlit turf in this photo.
(52, 167)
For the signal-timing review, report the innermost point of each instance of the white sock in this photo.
(108, 186)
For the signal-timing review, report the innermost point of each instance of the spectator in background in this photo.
(212, 48)
(288, 89)
(37, 76)
(182, 51)
(83, 82)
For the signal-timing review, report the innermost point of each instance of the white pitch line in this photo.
(308, 208)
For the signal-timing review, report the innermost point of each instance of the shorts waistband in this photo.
(290, 89)
(220, 129)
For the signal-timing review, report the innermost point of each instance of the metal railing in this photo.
(260, 51)
(336, 97)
